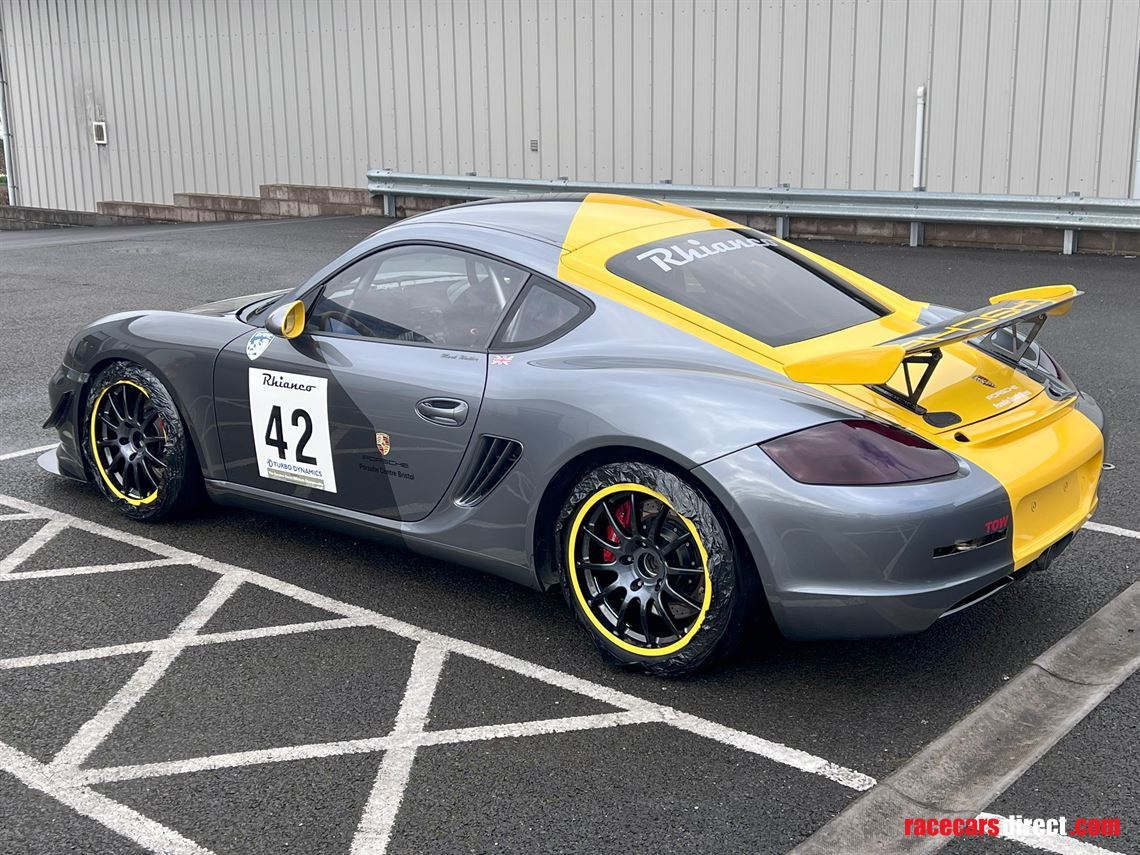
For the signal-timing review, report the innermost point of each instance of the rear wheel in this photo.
(649, 569)
(135, 443)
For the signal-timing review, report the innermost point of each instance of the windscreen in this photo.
(747, 284)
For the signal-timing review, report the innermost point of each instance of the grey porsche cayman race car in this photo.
(679, 420)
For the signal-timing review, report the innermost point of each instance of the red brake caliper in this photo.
(622, 512)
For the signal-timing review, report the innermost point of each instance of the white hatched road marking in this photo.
(12, 455)
(16, 515)
(65, 780)
(118, 817)
(88, 569)
(375, 827)
(1112, 529)
(1060, 843)
(97, 729)
(31, 546)
(455, 736)
(167, 643)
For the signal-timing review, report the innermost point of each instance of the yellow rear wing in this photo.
(876, 365)
(861, 367)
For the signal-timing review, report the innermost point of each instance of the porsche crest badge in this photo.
(383, 444)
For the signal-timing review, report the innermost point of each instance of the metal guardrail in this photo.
(1070, 213)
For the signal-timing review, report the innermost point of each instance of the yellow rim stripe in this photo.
(95, 448)
(573, 567)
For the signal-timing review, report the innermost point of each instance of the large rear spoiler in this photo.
(875, 366)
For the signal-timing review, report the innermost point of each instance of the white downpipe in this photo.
(1136, 166)
(6, 131)
(919, 137)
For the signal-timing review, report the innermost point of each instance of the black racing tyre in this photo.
(650, 569)
(135, 444)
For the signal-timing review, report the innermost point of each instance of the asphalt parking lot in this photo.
(237, 683)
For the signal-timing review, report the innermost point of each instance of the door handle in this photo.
(443, 411)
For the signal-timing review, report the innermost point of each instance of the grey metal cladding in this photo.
(221, 96)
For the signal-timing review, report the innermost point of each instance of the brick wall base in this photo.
(277, 201)
(24, 219)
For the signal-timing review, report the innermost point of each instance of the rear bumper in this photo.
(1092, 410)
(857, 562)
(847, 562)
(1050, 469)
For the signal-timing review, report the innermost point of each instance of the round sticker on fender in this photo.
(257, 344)
(290, 418)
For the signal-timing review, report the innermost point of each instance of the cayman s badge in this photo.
(383, 444)
(985, 381)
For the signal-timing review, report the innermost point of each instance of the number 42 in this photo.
(275, 434)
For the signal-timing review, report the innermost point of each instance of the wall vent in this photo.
(99, 133)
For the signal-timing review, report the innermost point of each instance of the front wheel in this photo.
(136, 446)
(649, 569)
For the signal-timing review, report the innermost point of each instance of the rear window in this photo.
(747, 283)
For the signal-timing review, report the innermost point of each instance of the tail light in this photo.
(857, 452)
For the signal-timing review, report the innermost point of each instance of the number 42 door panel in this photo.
(363, 424)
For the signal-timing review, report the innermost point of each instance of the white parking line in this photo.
(400, 745)
(12, 455)
(375, 827)
(314, 750)
(97, 729)
(88, 569)
(1112, 529)
(31, 546)
(155, 645)
(116, 816)
(1062, 844)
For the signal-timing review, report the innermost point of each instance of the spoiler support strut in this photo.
(928, 360)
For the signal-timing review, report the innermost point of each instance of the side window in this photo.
(546, 311)
(421, 294)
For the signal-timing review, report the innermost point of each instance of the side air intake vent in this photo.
(493, 460)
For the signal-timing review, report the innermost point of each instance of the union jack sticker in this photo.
(501, 360)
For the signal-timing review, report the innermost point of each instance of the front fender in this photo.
(178, 348)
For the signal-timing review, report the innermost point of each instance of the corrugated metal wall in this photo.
(1025, 96)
